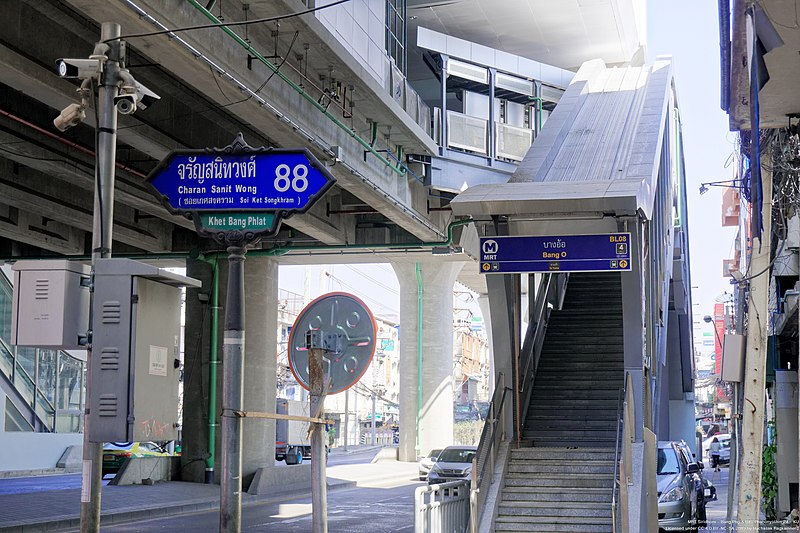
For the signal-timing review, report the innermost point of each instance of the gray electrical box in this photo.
(51, 304)
(135, 351)
(733, 357)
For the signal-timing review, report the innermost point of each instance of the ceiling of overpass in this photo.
(201, 110)
(563, 33)
(47, 177)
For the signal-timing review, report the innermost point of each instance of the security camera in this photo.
(146, 97)
(126, 103)
(77, 68)
(133, 95)
(70, 116)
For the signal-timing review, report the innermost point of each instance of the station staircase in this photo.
(562, 476)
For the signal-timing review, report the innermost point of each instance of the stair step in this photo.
(564, 453)
(548, 495)
(546, 442)
(579, 394)
(573, 434)
(575, 403)
(584, 525)
(564, 361)
(540, 467)
(565, 481)
(597, 344)
(574, 411)
(605, 354)
(558, 510)
(533, 423)
(608, 387)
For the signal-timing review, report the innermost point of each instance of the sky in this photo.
(688, 31)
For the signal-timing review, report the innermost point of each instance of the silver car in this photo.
(426, 463)
(677, 491)
(453, 464)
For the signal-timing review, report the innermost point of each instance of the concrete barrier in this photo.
(388, 453)
(72, 459)
(147, 470)
(290, 478)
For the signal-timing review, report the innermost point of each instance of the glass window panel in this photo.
(6, 361)
(24, 384)
(45, 411)
(46, 381)
(14, 420)
(396, 32)
(68, 422)
(26, 358)
(5, 310)
(69, 383)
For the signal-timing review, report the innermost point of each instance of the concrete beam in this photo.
(80, 174)
(396, 196)
(23, 227)
(45, 86)
(75, 210)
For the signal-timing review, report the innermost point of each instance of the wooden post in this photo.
(319, 497)
(753, 408)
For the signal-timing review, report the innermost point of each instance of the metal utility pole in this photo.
(102, 228)
(374, 400)
(230, 504)
(346, 418)
(753, 407)
(319, 496)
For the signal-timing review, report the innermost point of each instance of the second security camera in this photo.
(133, 97)
(77, 68)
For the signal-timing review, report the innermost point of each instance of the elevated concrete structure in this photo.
(327, 81)
(609, 159)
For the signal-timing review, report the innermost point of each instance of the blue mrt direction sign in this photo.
(267, 180)
(566, 253)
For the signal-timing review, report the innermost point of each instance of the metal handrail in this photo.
(616, 456)
(486, 455)
(550, 295)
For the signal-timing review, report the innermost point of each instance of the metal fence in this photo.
(443, 508)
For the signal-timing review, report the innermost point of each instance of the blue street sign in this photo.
(565, 253)
(264, 180)
(239, 193)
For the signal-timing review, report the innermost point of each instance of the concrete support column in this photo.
(633, 319)
(483, 303)
(260, 361)
(436, 279)
(195, 378)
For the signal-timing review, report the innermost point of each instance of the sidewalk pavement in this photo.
(60, 509)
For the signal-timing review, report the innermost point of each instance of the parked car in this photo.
(701, 484)
(426, 463)
(724, 448)
(115, 453)
(677, 488)
(454, 463)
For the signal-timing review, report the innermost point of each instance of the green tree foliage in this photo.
(769, 473)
